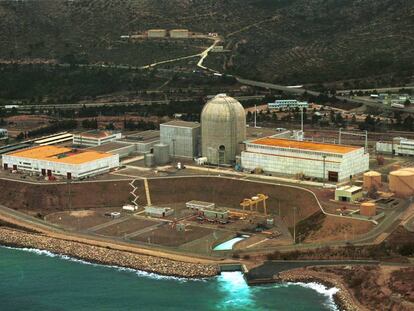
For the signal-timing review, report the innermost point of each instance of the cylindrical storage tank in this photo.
(368, 209)
(372, 180)
(408, 169)
(149, 159)
(161, 153)
(223, 129)
(401, 182)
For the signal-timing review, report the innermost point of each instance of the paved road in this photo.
(272, 86)
(274, 267)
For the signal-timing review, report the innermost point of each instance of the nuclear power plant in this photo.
(223, 129)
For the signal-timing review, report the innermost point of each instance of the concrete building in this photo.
(182, 137)
(60, 161)
(223, 129)
(157, 33)
(398, 146)
(143, 141)
(158, 212)
(291, 157)
(199, 205)
(208, 210)
(348, 194)
(179, 33)
(4, 134)
(95, 138)
(121, 149)
(287, 104)
(54, 139)
(219, 214)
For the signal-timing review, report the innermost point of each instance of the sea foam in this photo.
(139, 273)
(322, 289)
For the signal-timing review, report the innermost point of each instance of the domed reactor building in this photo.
(223, 129)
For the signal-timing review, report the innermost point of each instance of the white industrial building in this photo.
(179, 33)
(182, 137)
(158, 212)
(157, 33)
(55, 139)
(291, 157)
(60, 161)
(95, 138)
(4, 134)
(398, 146)
(287, 104)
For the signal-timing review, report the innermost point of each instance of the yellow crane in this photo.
(255, 201)
(246, 203)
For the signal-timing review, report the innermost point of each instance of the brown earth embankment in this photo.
(222, 191)
(57, 197)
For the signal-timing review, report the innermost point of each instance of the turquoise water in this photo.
(229, 244)
(38, 280)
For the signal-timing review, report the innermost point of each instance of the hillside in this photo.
(284, 41)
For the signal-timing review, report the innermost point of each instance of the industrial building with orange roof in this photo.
(291, 157)
(60, 161)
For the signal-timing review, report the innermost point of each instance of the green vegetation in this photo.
(352, 43)
(54, 128)
(62, 85)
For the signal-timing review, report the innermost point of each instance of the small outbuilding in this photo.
(199, 205)
(158, 212)
(348, 194)
(219, 214)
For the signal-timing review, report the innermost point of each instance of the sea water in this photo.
(39, 280)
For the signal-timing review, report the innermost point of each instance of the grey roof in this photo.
(109, 147)
(143, 137)
(180, 123)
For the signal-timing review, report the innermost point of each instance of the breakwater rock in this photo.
(107, 256)
(343, 297)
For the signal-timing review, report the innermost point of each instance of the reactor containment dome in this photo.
(223, 129)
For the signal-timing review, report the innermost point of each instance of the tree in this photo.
(354, 119)
(20, 136)
(110, 126)
(408, 123)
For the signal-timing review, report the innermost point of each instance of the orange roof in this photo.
(60, 154)
(286, 143)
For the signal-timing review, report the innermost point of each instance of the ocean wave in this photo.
(140, 273)
(323, 290)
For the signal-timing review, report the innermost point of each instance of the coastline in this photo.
(106, 256)
(14, 237)
(343, 298)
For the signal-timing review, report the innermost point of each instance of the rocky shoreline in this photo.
(106, 256)
(343, 298)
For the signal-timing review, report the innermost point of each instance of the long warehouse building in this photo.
(60, 161)
(291, 157)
